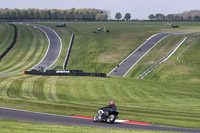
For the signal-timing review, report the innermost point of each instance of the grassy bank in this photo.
(155, 55)
(168, 96)
(29, 49)
(6, 36)
(138, 100)
(182, 67)
(102, 52)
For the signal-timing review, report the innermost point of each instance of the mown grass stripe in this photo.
(6, 41)
(29, 50)
(24, 58)
(16, 53)
(28, 87)
(19, 50)
(38, 90)
(50, 89)
(36, 45)
(164, 103)
(3, 38)
(5, 86)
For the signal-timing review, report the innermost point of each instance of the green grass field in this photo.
(7, 126)
(182, 67)
(169, 95)
(29, 49)
(138, 100)
(6, 36)
(102, 52)
(154, 55)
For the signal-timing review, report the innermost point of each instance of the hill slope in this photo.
(102, 52)
(29, 49)
(6, 36)
(137, 100)
(183, 66)
(164, 103)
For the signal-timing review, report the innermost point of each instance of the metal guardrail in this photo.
(167, 56)
(65, 73)
(164, 58)
(68, 53)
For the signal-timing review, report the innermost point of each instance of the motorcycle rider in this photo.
(109, 108)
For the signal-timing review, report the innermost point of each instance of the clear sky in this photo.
(139, 9)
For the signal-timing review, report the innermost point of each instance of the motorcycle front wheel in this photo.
(111, 118)
(96, 118)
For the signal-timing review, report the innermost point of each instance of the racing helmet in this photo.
(112, 102)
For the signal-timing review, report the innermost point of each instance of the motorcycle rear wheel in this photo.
(111, 118)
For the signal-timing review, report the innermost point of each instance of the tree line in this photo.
(127, 16)
(54, 14)
(193, 15)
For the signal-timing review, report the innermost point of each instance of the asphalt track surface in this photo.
(52, 53)
(14, 114)
(128, 63)
(54, 48)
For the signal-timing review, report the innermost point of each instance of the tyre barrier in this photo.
(64, 73)
(11, 45)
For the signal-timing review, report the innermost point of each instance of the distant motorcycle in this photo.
(104, 116)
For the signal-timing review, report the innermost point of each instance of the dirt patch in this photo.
(195, 80)
(109, 58)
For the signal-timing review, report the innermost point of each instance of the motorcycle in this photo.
(105, 116)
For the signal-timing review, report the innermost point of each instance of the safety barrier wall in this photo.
(54, 67)
(11, 45)
(68, 53)
(71, 73)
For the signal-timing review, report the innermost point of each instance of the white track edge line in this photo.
(33, 112)
(132, 53)
(169, 55)
(144, 55)
(60, 46)
(67, 51)
(47, 48)
(49, 114)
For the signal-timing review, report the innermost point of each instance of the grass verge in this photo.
(29, 50)
(7, 126)
(6, 36)
(156, 54)
(183, 66)
(138, 100)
